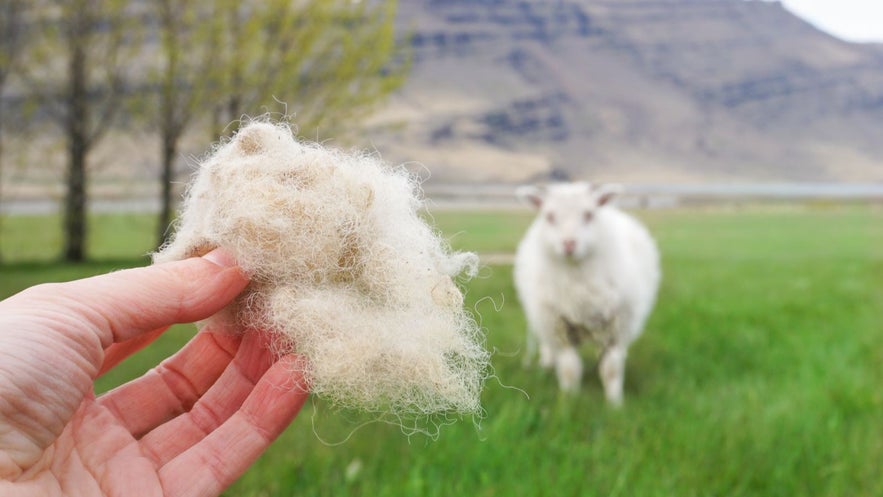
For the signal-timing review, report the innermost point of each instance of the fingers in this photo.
(118, 352)
(214, 463)
(218, 404)
(174, 386)
(119, 306)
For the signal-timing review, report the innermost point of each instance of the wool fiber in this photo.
(344, 271)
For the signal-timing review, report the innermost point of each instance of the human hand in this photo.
(189, 427)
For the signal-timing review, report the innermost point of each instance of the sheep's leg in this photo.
(532, 343)
(530, 347)
(569, 368)
(541, 332)
(547, 356)
(612, 371)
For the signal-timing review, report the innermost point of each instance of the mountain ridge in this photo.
(635, 90)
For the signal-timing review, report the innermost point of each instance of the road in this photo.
(449, 197)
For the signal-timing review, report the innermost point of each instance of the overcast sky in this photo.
(852, 20)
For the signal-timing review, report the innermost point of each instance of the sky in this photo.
(851, 20)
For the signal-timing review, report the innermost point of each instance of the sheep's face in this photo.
(567, 217)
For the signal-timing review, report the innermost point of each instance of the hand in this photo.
(189, 427)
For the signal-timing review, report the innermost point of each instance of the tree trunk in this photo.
(234, 108)
(234, 101)
(75, 205)
(169, 150)
(78, 148)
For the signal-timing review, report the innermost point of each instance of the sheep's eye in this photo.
(550, 217)
(587, 216)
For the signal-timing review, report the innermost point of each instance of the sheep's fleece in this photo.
(344, 271)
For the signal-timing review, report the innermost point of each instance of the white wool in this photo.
(584, 270)
(344, 271)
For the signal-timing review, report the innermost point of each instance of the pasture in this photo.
(759, 374)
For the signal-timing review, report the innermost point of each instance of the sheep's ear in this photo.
(531, 193)
(606, 193)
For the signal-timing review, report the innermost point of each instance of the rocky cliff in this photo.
(632, 90)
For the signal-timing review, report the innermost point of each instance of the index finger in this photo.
(120, 351)
(119, 306)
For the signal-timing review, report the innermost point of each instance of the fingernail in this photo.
(221, 257)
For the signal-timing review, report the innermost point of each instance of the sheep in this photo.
(584, 269)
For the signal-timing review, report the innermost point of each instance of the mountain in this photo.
(632, 90)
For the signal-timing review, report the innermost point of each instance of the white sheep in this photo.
(585, 269)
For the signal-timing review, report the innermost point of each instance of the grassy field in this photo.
(759, 375)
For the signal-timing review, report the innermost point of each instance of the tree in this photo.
(328, 61)
(11, 37)
(331, 59)
(187, 54)
(78, 76)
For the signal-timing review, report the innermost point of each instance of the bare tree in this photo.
(79, 78)
(11, 38)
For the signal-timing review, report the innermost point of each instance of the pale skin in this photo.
(188, 427)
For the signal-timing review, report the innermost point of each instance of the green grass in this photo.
(759, 375)
(484, 232)
(109, 236)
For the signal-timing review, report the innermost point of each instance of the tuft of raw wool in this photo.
(344, 271)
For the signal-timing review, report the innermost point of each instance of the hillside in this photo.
(632, 90)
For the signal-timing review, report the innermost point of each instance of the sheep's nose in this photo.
(569, 246)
